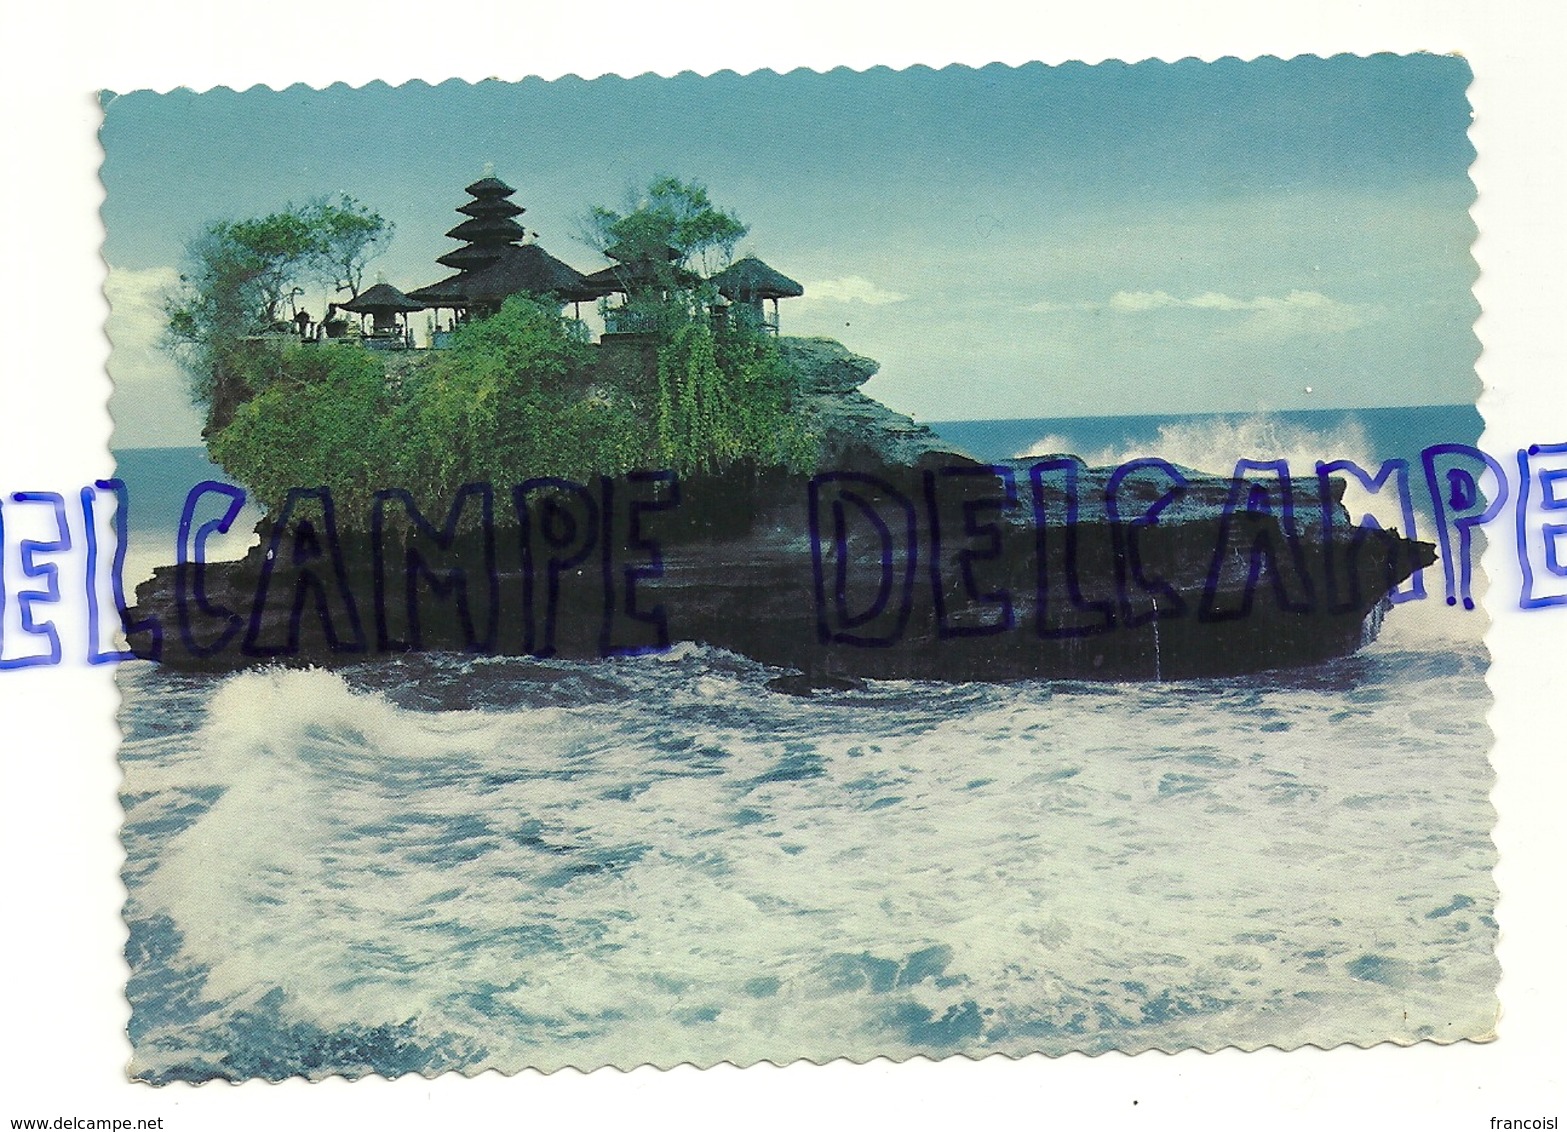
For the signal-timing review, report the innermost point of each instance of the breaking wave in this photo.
(447, 863)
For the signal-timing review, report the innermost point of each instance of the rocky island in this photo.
(515, 488)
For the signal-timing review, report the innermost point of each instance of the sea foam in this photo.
(685, 866)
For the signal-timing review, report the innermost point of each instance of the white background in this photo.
(62, 1010)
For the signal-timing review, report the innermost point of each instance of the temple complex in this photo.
(496, 258)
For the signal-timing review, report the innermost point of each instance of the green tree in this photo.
(237, 274)
(726, 395)
(671, 226)
(327, 417)
(240, 274)
(348, 236)
(723, 393)
(510, 399)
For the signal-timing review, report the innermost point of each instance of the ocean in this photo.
(447, 863)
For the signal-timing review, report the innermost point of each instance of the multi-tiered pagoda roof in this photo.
(494, 262)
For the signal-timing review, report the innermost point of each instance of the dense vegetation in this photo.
(723, 394)
(513, 398)
(240, 275)
(517, 394)
(672, 226)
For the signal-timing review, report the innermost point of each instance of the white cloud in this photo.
(150, 403)
(136, 320)
(1266, 316)
(851, 289)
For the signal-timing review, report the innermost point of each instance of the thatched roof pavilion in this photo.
(386, 306)
(382, 298)
(514, 269)
(638, 269)
(629, 278)
(749, 282)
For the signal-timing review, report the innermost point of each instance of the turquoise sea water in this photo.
(445, 863)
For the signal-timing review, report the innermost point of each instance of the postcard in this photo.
(802, 566)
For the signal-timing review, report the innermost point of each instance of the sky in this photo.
(1007, 242)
